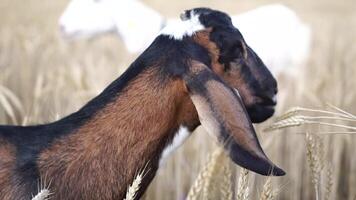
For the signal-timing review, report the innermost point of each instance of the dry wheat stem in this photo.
(335, 125)
(296, 110)
(42, 195)
(267, 191)
(242, 185)
(341, 111)
(135, 186)
(213, 168)
(329, 118)
(8, 108)
(340, 114)
(334, 132)
(225, 185)
(298, 120)
(329, 182)
(43, 192)
(315, 159)
(203, 176)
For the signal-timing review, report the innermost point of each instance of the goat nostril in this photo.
(275, 90)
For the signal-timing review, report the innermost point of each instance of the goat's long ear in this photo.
(223, 115)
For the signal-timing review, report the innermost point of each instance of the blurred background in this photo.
(44, 76)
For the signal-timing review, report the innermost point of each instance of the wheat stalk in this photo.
(213, 168)
(242, 185)
(135, 185)
(329, 182)
(42, 195)
(315, 160)
(346, 114)
(314, 144)
(297, 110)
(43, 191)
(10, 103)
(202, 182)
(226, 183)
(293, 118)
(291, 112)
(291, 121)
(267, 191)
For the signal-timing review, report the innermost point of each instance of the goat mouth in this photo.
(268, 102)
(272, 107)
(260, 112)
(267, 105)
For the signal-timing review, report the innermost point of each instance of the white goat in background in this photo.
(278, 36)
(276, 33)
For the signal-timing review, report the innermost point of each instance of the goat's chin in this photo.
(260, 113)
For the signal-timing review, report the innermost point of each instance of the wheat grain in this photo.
(135, 186)
(291, 121)
(329, 182)
(289, 113)
(267, 191)
(292, 118)
(42, 195)
(43, 186)
(202, 182)
(213, 168)
(226, 183)
(242, 185)
(315, 159)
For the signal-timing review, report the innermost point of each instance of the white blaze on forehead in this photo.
(179, 29)
(179, 138)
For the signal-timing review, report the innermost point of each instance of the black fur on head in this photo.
(240, 62)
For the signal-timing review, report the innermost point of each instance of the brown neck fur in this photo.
(101, 159)
(203, 38)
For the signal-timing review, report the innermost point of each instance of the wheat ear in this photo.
(135, 186)
(226, 183)
(204, 175)
(315, 159)
(328, 182)
(242, 185)
(42, 195)
(267, 191)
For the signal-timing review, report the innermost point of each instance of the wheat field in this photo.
(44, 77)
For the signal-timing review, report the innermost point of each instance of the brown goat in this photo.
(189, 76)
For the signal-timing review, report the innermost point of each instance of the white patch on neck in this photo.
(178, 29)
(179, 138)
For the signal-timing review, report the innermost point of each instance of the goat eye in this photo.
(239, 54)
(238, 50)
(237, 64)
